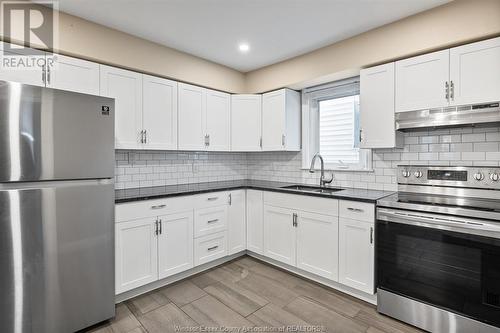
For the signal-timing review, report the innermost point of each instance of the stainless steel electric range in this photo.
(438, 249)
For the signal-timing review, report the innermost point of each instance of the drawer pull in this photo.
(158, 206)
(212, 198)
(212, 221)
(213, 248)
(357, 210)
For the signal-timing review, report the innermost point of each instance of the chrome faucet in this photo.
(322, 180)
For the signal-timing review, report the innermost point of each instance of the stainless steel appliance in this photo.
(438, 249)
(473, 115)
(56, 209)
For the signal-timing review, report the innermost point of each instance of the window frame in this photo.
(310, 124)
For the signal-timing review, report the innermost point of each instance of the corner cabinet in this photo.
(126, 88)
(74, 75)
(218, 121)
(281, 120)
(377, 114)
(246, 122)
(255, 221)
(236, 226)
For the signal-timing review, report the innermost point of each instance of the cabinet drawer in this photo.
(302, 202)
(209, 248)
(211, 199)
(149, 208)
(356, 210)
(210, 220)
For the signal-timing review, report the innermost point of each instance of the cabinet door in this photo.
(475, 72)
(317, 244)
(74, 75)
(279, 234)
(255, 221)
(136, 254)
(126, 88)
(377, 107)
(273, 120)
(246, 115)
(217, 121)
(236, 222)
(421, 81)
(356, 254)
(192, 106)
(159, 113)
(175, 243)
(14, 72)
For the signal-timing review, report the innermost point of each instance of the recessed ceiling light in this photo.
(244, 47)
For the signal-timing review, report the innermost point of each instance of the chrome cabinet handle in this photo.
(207, 140)
(158, 206)
(160, 226)
(43, 74)
(371, 235)
(48, 74)
(294, 219)
(145, 136)
(213, 248)
(447, 91)
(452, 90)
(156, 227)
(230, 199)
(283, 140)
(360, 135)
(212, 198)
(212, 221)
(260, 142)
(357, 210)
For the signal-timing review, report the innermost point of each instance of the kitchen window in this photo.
(331, 126)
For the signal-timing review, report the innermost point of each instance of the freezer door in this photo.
(57, 256)
(49, 134)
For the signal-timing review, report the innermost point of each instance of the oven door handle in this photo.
(442, 222)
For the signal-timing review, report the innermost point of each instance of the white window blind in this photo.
(337, 125)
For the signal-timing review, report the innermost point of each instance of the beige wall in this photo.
(88, 40)
(457, 22)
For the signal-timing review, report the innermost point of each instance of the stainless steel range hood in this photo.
(468, 115)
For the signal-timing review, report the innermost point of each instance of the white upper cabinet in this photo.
(159, 113)
(175, 243)
(281, 120)
(218, 121)
(421, 82)
(236, 222)
(35, 75)
(192, 110)
(377, 108)
(475, 73)
(74, 75)
(246, 122)
(126, 88)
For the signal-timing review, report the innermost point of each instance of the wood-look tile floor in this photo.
(247, 293)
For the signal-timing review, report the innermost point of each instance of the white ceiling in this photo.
(275, 29)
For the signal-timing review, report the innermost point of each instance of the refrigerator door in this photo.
(50, 134)
(57, 256)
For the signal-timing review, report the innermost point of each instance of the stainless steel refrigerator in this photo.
(56, 209)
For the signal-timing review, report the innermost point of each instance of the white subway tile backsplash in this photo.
(459, 146)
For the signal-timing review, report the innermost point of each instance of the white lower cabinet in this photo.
(209, 248)
(136, 250)
(175, 244)
(317, 244)
(255, 221)
(236, 226)
(279, 234)
(356, 254)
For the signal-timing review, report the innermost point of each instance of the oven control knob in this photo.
(495, 177)
(418, 174)
(406, 173)
(478, 176)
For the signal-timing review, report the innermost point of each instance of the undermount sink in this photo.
(305, 188)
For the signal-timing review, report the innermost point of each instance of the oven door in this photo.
(446, 261)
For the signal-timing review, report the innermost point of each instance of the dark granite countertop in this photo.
(156, 192)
